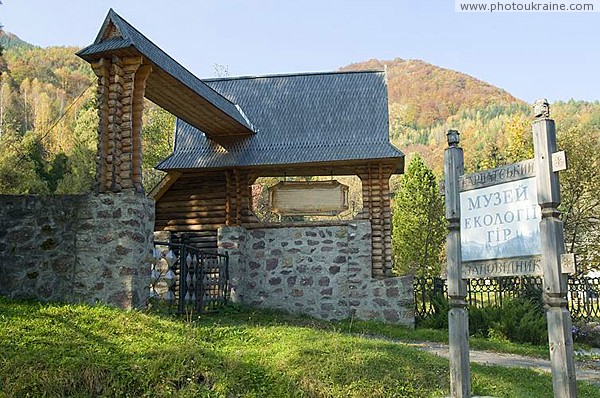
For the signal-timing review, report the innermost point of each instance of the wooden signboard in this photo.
(500, 222)
(497, 228)
(308, 198)
(514, 266)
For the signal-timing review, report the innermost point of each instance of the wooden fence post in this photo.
(458, 319)
(560, 335)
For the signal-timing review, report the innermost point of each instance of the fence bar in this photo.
(583, 296)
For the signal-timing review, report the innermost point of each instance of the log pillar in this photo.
(120, 98)
(376, 208)
(238, 205)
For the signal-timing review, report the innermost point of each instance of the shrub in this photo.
(587, 333)
(520, 320)
(439, 319)
(523, 320)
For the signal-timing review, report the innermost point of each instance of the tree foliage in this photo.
(49, 122)
(419, 226)
(158, 129)
(580, 185)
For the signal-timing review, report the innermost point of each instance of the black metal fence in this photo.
(583, 296)
(186, 278)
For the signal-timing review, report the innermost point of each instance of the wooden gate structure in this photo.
(231, 131)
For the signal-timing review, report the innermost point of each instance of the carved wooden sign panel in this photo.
(314, 198)
(500, 222)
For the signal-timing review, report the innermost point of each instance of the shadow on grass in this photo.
(58, 350)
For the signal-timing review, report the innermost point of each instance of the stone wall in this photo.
(89, 248)
(323, 270)
(37, 246)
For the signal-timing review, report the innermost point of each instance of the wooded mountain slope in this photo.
(422, 94)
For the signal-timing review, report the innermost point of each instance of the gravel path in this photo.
(588, 370)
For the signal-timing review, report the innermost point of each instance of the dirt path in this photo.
(586, 370)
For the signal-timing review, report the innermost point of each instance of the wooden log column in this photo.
(102, 71)
(139, 88)
(238, 202)
(120, 96)
(376, 208)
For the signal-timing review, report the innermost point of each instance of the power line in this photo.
(66, 111)
(45, 135)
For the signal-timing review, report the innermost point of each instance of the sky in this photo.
(531, 55)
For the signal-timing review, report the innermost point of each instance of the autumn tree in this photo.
(419, 226)
(520, 141)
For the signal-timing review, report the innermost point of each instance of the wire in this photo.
(67, 110)
(43, 137)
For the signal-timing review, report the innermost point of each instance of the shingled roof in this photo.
(170, 85)
(299, 119)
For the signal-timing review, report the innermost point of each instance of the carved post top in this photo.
(541, 109)
(453, 137)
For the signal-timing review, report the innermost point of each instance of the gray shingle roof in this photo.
(302, 118)
(131, 38)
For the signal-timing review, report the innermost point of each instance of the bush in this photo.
(587, 333)
(439, 319)
(521, 320)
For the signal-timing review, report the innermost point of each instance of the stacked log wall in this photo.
(196, 205)
(376, 208)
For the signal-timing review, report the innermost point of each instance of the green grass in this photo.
(441, 336)
(52, 350)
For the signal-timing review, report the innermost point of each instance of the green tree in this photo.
(419, 226)
(81, 167)
(19, 165)
(157, 142)
(580, 185)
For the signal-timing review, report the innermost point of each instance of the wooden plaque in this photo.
(308, 198)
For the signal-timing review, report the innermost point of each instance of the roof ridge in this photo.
(284, 75)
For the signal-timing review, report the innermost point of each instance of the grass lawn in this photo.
(57, 350)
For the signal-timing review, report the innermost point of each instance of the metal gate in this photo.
(185, 278)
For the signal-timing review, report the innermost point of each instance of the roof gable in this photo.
(170, 85)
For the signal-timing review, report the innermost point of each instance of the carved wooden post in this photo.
(458, 319)
(552, 242)
(141, 75)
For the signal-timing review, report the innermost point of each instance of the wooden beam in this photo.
(163, 186)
